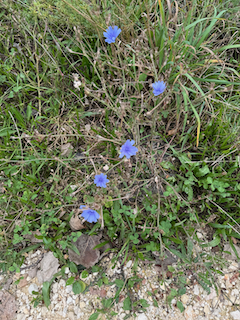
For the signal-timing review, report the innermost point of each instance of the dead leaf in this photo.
(48, 267)
(172, 132)
(103, 293)
(98, 292)
(8, 306)
(85, 244)
(94, 292)
(75, 223)
(66, 149)
(212, 218)
(23, 282)
(87, 127)
(234, 240)
(234, 277)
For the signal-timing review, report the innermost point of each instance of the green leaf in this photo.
(78, 287)
(165, 226)
(209, 180)
(94, 316)
(11, 94)
(180, 306)
(105, 280)
(119, 283)
(155, 303)
(189, 247)
(72, 247)
(18, 115)
(100, 282)
(29, 111)
(127, 305)
(171, 269)
(212, 243)
(70, 281)
(101, 244)
(177, 253)
(46, 293)
(84, 274)
(202, 171)
(144, 303)
(73, 267)
(2, 79)
(17, 88)
(141, 256)
(6, 131)
(107, 303)
(142, 77)
(108, 203)
(182, 291)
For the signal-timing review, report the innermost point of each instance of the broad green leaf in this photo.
(144, 303)
(165, 226)
(202, 171)
(94, 316)
(78, 287)
(84, 274)
(107, 303)
(180, 306)
(181, 291)
(70, 281)
(142, 77)
(119, 283)
(73, 267)
(127, 305)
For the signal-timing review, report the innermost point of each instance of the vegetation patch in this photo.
(120, 121)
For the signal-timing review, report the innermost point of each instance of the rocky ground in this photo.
(17, 294)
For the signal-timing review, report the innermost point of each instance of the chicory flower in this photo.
(158, 87)
(101, 180)
(128, 149)
(90, 215)
(111, 34)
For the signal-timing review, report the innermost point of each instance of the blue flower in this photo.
(101, 180)
(128, 149)
(90, 215)
(111, 34)
(158, 87)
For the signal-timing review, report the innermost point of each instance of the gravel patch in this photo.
(198, 304)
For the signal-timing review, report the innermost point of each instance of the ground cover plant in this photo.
(125, 114)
